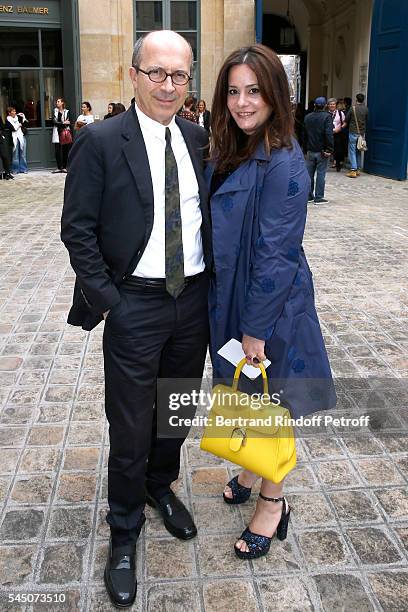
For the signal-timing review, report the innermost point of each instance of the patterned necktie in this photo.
(173, 234)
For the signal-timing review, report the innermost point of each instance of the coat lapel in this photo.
(242, 178)
(237, 181)
(134, 150)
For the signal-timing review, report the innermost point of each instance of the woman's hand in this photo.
(253, 349)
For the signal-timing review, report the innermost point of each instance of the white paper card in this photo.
(232, 352)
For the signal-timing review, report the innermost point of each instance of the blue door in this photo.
(387, 136)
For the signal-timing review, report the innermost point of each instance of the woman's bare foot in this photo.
(264, 522)
(245, 479)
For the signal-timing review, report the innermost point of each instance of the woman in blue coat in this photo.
(262, 290)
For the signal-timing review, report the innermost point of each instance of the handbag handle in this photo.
(237, 374)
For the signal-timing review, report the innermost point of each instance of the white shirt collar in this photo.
(154, 128)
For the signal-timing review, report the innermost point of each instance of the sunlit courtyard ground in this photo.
(348, 537)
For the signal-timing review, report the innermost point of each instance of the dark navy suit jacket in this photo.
(108, 210)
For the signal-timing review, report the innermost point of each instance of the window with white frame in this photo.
(182, 16)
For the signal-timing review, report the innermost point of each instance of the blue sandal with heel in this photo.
(240, 494)
(258, 544)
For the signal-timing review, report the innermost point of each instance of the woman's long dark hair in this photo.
(118, 108)
(230, 146)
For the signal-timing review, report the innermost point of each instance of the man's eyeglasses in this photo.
(159, 75)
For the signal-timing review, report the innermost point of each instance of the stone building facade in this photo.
(330, 40)
(107, 38)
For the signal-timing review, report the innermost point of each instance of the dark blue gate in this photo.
(387, 136)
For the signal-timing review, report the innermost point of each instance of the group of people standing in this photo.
(62, 134)
(349, 122)
(13, 132)
(13, 144)
(330, 132)
(178, 243)
(196, 112)
(114, 108)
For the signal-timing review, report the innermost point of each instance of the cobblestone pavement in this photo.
(347, 542)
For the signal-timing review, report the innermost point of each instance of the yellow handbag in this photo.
(251, 433)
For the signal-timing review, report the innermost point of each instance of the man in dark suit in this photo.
(136, 225)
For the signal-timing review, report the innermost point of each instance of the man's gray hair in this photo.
(330, 100)
(137, 51)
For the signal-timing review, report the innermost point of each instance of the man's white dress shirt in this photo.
(152, 263)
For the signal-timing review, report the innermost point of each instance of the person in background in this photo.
(6, 149)
(347, 104)
(111, 106)
(341, 105)
(118, 108)
(187, 112)
(15, 125)
(61, 122)
(24, 122)
(356, 119)
(261, 292)
(319, 146)
(86, 117)
(346, 107)
(203, 115)
(310, 108)
(338, 134)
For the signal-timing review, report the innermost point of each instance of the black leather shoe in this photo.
(177, 519)
(120, 569)
(120, 575)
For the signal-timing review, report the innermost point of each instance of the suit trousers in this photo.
(148, 335)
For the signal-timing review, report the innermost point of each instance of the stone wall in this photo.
(106, 42)
(106, 39)
(225, 26)
(107, 31)
(346, 48)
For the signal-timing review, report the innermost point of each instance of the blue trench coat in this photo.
(263, 285)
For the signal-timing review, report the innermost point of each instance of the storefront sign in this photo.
(29, 11)
(36, 10)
